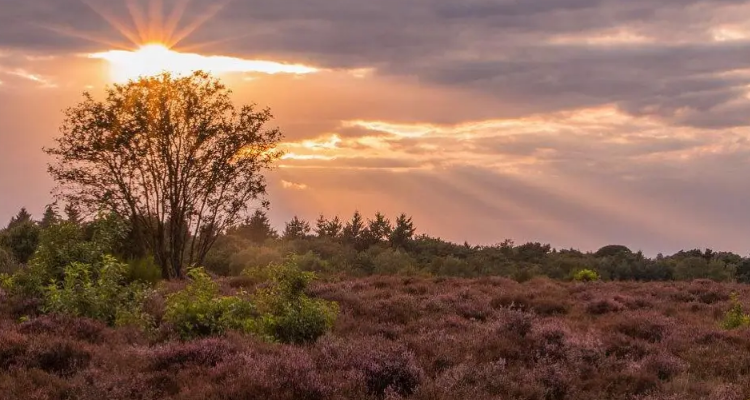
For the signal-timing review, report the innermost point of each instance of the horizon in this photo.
(579, 124)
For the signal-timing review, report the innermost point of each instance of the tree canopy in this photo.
(171, 154)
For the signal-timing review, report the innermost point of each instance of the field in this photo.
(417, 338)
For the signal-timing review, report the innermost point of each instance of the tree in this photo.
(21, 237)
(72, 214)
(21, 218)
(320, 226)
(328, 228)
(403, 232)
(171, 154)
(296, 229)
(257, 228)
(50, 217)
(378, 230)
(353, 230)
(612, 250)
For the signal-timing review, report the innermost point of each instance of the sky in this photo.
(579, 123)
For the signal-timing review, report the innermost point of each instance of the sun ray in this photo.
(171, 23)
(67, 31)
(156, 23)
(200, 21)
(112, 21)
(202, 45)
(139, 19)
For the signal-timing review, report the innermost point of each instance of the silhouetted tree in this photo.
(50, 216)
(256, 229)
(21, 237)
(72, 214)
(353, 230)
(173, 155)
(378, 230)
(320, 226)
(296, 229)
(403, 232)
(612, 250)
(328, 228)
(21, 218)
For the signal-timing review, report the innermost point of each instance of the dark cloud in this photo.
(500, 47)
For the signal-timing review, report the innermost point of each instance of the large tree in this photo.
(171, 154)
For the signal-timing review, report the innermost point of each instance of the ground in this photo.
(417, 338)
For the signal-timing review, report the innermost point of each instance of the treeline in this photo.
(363, 246)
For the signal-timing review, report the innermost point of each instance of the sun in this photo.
(154, 58)
(154, 35)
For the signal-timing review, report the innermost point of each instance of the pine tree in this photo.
(403, 232)
(353, 230)
(50, 217)
(21, 218)
(320, 226)
(296, 229)
(72, 214)
(334, 228)
(21, 237)
(257, 229)
(378, 230)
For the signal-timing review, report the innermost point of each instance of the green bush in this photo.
(586, 275)
(735, 317)
(99, 292)
(289, 315)
(199, 310)
(144, 270)
(301, 321)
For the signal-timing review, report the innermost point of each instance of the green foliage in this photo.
(7, 263)
(100, 292)
(21, 238)
(296, 229)
(310, 261)
(392, 261)
(290, 316)
(256, 229)
(144, 270)
(586, 275)
(735, 317)
(700, 267)
(199, 310)
(612, 250)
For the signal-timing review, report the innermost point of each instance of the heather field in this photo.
(415, 338)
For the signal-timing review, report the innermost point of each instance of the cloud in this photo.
(580, 122)
(293, 186)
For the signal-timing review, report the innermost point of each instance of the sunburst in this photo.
(153, 35)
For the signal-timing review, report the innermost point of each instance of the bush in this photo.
(198, 310)
(586, 275)
(290, 315)
(144, 270)
(391, 369)
(98, 292)
(735, 317)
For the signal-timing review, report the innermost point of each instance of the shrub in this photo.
(198, 310)
(586, 275)
(735, 317)
(60, 357)
(290, 315)
(391, 370)
(144, 270)
(603, 306)
(203, 353)
(99, 292)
